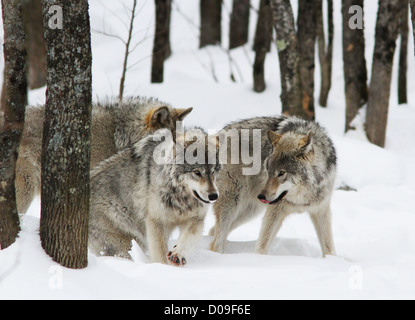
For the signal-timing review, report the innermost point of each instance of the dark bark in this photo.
(239, 28)
(167, 24)
(127, 51)
(67, 136)
(307, 26)
(12, 111)
(161, 49)
(210, 22)
(325, 52)
(289, 56)
(412, 3)
(262, 44)
(355, 69)
(387, 29)
(403, 56)
(35, 43)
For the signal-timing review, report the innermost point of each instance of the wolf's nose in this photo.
(263, 199)
(213, 197)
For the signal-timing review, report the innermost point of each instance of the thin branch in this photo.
(127, 51)
(109, 35)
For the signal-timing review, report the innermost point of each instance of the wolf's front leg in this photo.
(271, 224)
(157, 239)
(190, 235)
(322, 224)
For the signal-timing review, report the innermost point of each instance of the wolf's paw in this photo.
(176, 259)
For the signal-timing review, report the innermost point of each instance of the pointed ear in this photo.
(182, 113)
(158, 118)
(306, 143)
(274, 137)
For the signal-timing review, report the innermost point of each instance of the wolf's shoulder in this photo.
(262, 123)
(129, 106)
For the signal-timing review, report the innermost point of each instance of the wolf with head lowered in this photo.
(144, 192)
(297, 174)
(116, 125)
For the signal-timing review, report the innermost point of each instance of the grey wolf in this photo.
(115, 126)
(297, 175)
(135, 196)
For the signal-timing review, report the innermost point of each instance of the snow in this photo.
(373, 223)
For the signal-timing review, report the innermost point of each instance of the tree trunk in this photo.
(161, 49)
(307, 26)
(387, 29)
(325, 54)
(262, 44)
(355, 69)
(12, 112)
(239, 29)
(67, 136)
(412, 2)
(289, 56)
(403, 56)
(210, 22)
(35, 43)
(167, 24)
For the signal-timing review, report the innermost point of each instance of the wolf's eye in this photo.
(281, 173)
(197, 172)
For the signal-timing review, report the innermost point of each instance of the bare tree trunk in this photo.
(412, 3)
(387, 29)
(403, 56)
(263, 38)
(35, 43)
(210, 22)
(355, 69)
(12, 112)
(67, 136)
(325, 54)
(239, 29)
(289, 56)
(167, 24)
(307, 26)
(161, 49)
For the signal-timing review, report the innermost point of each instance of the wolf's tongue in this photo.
(265, 201)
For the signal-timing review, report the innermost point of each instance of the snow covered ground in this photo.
(374, 226)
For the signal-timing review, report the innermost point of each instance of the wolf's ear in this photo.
(274, 137)
(182, 113)
(158, 118)
(306, 143)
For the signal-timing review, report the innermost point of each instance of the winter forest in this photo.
(348, 65)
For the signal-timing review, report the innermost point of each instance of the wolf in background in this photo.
(135, 196)
(298, 174)
(115, 126)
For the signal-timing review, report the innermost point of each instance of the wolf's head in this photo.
(192, 162)
(197, 163)
(287, 167)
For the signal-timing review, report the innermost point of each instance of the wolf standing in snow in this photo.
(115, 126)
(144, 192)
(298, 174)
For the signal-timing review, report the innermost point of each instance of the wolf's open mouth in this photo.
(279, 199)
(200, 198)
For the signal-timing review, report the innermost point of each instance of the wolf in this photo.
(298, 170)
(116, 125)
(134, 196)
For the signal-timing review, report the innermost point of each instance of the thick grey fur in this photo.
(310, 174)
